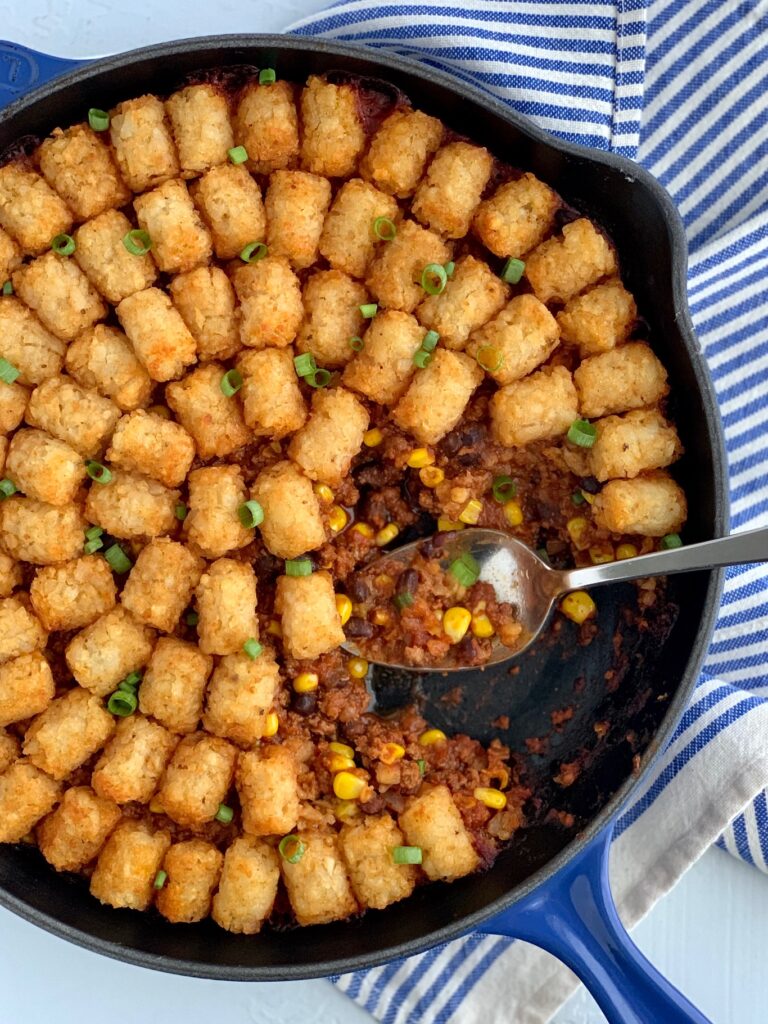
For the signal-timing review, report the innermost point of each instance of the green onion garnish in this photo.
(231, 382)
(122, 703)
(404, 600)
(126, 687)
(7, 488)
(490, 358)
(63, 244)
(304, 364)
(8, 372)
(118, 559)
(356, 344)
(291, 849)
(180, 511)
(434, 278)
(578, 498)
(406, 854)
(422, 766)
(98, 119)
(319, 379)
(160, 879)
(544, 556)
(369, 310)
(137, 242)
(384, 228)
(298, 567)
(250, 514)
(191, 618)
(512, 271)
(98, 472)
(7, 288)
(92, 546)
(450, 266)
(132, 679)
(238, 154)
(224, 814)
(252, 647)
(504, 488)
(93, 532)
(253, 252)
(267, 76)
(430, 340)
(583, 433)
(465, 569)
(422, 359)
(672, 540)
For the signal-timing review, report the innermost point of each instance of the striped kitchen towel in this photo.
(680, 86)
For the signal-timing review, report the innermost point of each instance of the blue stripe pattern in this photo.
(678, 85)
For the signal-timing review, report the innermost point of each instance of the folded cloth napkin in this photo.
(678, 85)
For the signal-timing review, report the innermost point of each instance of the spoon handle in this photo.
(738, 549)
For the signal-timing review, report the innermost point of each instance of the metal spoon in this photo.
(522, 579)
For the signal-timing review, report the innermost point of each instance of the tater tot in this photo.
(332, 317)
(327, 443)
(76, 831)
(206, 300)
(161, 582)
(193, 868)
(267, 125)
(199, 117)
(367, 850)
(60, 293)
(142, 143)
(21, 632)
(651, 505)
(399, 151)
(348, 240)
(310, 620)
(628, 377)
(518, 216)
(10, 575)
(538, 407)
(78, 416)
(197, 779)
(384, 367)
(517, 341)
(292, 521)
(132, 506)
(599, 319)
(332, 131)
(450, 191)
(395, 275)
(70, 730)
(247, 887)
(174, 683)
(437, 396)
(4, 444)
(229, 201)
(159, 336)
(128, 865)
(79, 166)
(10, 255)
(271, 309)
(631, 444)
(26, 687)
(10, 749)
(240, 695)
(13, 405)
(43, 467)
(213, 419)
(471, 297)
(295, 207)
(267, 782)
(226, 603)
(432, 821)
(273, 405)
(180, 240)
(101, 254)
(30, 211)
(318, 884)
(133, 761)
(102, 359)
(26, 344)
(32, 531)
(565, 265)
(73, 594)
(103, 654)
(26, 795)
(212, 523)
(148, 444)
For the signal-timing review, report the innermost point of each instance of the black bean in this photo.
(589, 484)
(473, 434)
(358, 627)
(304, 703)
(409, 581)
(359, 590)
(451, 442)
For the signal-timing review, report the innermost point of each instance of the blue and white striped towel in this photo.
(680, 86)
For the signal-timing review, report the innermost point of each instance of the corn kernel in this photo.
(513, 513)
(576, 528)
(431, 476)
(372, 437)
(344, 608)
(324, 493)
(482, 626)
(274, 628)
(383, 581)
(339, 763)
(456, 622)
(306, 682)
(578, 606)
(492, 798)
(387, 534)
(341, 748)
(589, 498)
(364, 530)
(445, 525)
(626, 551)
(347, 810)
(155, 806)
(471, 512)
(420, 457)
(431, 737)
(381, 617)
(391, 752)
(337, 519)
(271, 724)
(347, 786)
(601, 553)
(357, 668)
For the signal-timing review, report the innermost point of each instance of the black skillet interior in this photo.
(657, 664)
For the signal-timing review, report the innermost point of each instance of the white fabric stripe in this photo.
(423, 984)
(522, 7)
(448, 990)
(722, 170)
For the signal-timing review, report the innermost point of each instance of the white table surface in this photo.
(708, 936)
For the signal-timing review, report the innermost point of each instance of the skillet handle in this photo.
(573, 916)
(22, 69)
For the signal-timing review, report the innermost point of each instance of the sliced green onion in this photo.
(422, 766)
(98, 472)
(224, 814)
(126, 687)
(118, 559)
(672, 540)
(304, 364)
(504, 488)
(253, 252)
(434, 278)
(250, 514)
(122, 703)
(319, 379)
(298, 567)
(132, 679)
(489, 357)
(191, 618)
(63, 244)
(422, 359)
(98, 119)
(7, 288)
(512, 271)
(137, 242)
(583, 433)
(356, 344)
(7, 488)
(92, 546)
(160, 879)
(544, 556)
(450, 266)
(238, 154)
(267, 76)
(406, 855)
(384, 228)
(8, 372)
(369, 310)
(291, 849)
(578, 498)
(429, 341)
(93, 532)
(252, 647)
(231, 382)
(403, 600)
(465, 569)
(180, 511)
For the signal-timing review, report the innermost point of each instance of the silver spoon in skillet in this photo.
(520, 578)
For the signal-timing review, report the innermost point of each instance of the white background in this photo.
(709, 936)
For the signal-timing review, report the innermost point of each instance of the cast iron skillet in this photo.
(550, 887)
